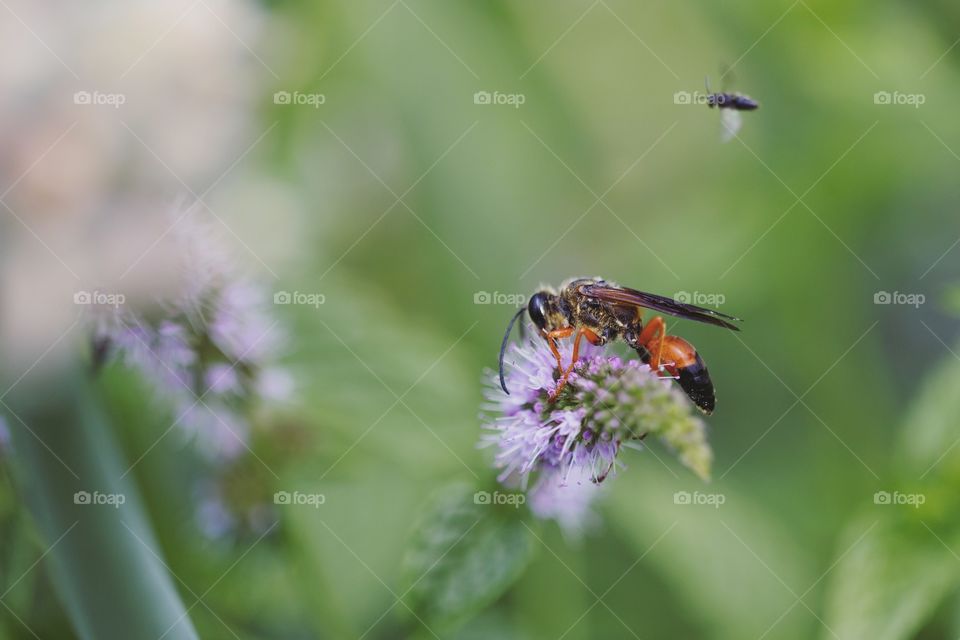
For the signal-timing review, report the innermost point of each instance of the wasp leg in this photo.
(651, 338)
(684, 365)
(551, 338)
(582, 332)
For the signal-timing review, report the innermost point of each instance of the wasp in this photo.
(730, 106)
(602, 311)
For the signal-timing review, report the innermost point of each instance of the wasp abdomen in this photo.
(682, 361)
(695, 381)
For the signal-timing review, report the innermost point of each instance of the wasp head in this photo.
(546, 311)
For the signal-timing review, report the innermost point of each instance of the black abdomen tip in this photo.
(695, 381)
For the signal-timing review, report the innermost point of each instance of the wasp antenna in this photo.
(503, 346)
(706, 83)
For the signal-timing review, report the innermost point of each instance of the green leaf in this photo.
(103, 558)
(463, 556)
(890, 582)
(930, 429)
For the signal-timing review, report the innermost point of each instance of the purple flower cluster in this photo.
(206, 352)
(567, 446)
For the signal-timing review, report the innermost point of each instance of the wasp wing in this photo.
(623, 296)
(730, 123)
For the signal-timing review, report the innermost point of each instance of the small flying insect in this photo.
(602, 311)
(730, 106)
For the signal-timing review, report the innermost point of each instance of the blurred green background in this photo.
(400, 199)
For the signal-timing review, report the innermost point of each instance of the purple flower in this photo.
(566, 499)
(563, 449)
(208, 352)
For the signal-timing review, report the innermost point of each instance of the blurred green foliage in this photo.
(599, 172)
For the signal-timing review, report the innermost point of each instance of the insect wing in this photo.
(730, 123)
(623, 296)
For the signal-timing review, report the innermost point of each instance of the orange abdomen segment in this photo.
(691, 372)
(678, 351)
